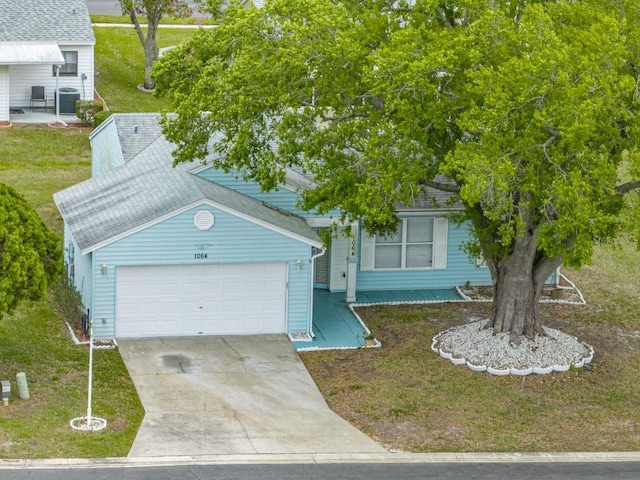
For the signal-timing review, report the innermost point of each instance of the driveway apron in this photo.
(232, 395)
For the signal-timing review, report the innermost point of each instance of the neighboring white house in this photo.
(46, 43)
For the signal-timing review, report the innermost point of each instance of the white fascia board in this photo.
(101, 127)
(186, 208)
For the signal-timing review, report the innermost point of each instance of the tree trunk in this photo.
(518, 281)
(150, 55)
(149, 41)
(515, 298)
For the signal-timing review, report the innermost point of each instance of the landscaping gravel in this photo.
(480, 349)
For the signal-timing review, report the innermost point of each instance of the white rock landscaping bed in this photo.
(481, 350)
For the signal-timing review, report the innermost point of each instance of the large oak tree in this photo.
(524, 110)
(30, 255)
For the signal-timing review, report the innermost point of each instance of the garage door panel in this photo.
(200, 300)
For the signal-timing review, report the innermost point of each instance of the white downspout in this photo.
(56, 94)
(312, 270)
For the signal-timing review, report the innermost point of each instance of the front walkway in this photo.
(337, 326)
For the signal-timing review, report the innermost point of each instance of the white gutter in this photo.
(312, 270)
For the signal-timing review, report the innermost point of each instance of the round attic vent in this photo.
(203, 220)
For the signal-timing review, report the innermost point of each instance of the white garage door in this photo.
(187, 300)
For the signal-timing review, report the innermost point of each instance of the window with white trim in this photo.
(419, 243)
(70, 67)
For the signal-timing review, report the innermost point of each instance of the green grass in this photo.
(409, 398)
(35, 341)
(39, 160)
(119, 58)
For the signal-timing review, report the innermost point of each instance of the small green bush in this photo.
(101, 116)
(85, 111)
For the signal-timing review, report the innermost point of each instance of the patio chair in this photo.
(38, 96)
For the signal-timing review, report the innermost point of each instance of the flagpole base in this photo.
(83, 423)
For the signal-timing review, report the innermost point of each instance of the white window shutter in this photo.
(367, 243)
(440, 244)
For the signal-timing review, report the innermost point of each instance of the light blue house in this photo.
(161, 251)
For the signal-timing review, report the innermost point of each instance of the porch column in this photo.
(352, 264)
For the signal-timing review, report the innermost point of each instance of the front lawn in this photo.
(34, 340)
(409, 398)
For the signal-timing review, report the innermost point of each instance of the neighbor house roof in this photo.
(63, 21)
(30, 53)
(147, 189)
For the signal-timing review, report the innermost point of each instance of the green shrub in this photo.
(101, 116)
(67, 302)
(85, 111)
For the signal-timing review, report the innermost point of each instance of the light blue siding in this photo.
(284, 198)
(176, 241)
(459, 271)
(106, 153)
(81, 265)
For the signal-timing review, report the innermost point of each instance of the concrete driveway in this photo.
(232, 395)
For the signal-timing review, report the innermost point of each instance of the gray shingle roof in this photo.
(45, 20)
(136, 132)
(148, 188)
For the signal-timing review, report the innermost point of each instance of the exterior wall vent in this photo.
(203, 220)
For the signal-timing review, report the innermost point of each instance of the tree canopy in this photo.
(30, 255)
(526, 111)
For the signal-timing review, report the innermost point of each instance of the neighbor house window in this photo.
(70, 67)
(419, 243)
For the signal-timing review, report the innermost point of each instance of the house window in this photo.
(419, 243)
(70, 67)
(410, 247)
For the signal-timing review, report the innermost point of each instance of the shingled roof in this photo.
(147, 189)
(63, 21)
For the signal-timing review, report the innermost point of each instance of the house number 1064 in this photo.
(199, 256)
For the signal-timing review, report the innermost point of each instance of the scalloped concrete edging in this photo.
(536, 369)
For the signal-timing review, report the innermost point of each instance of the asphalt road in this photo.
(411, 471)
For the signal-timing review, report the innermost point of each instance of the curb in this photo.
(325, 458)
